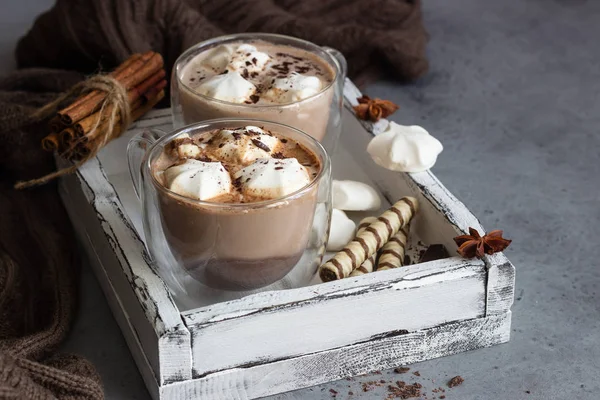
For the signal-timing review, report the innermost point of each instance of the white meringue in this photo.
(227, 87)
(354, 196)
(270, 178)
(247, 57)
(341, 231)
(218, 58)
(239, 147)
(293, 88)
(198, 179)
(405, 148)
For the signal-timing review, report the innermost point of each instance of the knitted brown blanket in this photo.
(38, 265)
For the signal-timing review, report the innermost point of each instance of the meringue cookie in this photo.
(227, 87)
(247, 57)
(198, 179)
(293, 88)
(341, 231)
(405, 148)
(243, 145)
(270, 178)
(354, 196)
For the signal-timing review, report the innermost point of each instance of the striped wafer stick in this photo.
(369, 241)
(369, 264)
(392, 253)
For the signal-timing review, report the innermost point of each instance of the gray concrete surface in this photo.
(514, 95)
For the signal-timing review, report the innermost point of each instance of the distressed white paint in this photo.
(312, 369)
(145, 297)
(288, 339)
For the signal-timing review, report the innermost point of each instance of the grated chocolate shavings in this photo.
(401, 370)
(261, 145)
(277, 155)
(254, 98)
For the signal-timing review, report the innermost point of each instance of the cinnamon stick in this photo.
(83, 150)
(50, 142)
(55, 124)
(117, 72)
(138, 71)
(133, 95)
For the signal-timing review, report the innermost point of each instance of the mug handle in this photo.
(137, 148)
(339, 59)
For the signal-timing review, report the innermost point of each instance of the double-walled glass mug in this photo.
(319, 115)
(232, 246)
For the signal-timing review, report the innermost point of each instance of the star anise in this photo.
(475, 245)
(374, 109)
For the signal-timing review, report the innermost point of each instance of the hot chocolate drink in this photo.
(258, 79)
(237, 204)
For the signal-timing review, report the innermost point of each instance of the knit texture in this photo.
(38, 263)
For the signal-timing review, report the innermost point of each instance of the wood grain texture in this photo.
(356, 312)
(500, 285)
(143, 294)
(312, 369)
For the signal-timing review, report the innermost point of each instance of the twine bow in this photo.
(114, 108)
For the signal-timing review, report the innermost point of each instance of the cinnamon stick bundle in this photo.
(105, 106)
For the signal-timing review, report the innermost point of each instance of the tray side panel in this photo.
(500, 285)
(158, 324)
(313, 369)
(131, 322)
(408, 304)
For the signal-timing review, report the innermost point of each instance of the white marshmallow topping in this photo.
(243, 145)
(227, 87)
(198, 179)
(270, 178)
(247, 57)
(293, 88)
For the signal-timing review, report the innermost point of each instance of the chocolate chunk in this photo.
(283, 140)
(254, 60)
(236, 135)
(457, 380)
(434, 252)
(254, 98)
(278, 168)
(261, 145)
(245, 74)
(248, 63)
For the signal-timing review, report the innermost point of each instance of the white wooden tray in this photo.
(280, 340)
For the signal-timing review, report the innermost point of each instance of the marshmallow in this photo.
(341, 231)
(247, 57)
(227, 87)
(293, 88)
(354, 196)
(243, 145)
(218, 58)
(405, 148)
(198, 179)
(270, 178)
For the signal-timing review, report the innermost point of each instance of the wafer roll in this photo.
(369, 241)
(392, 253)
(369, 264)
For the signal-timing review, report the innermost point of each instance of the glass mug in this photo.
(225, 246)
(319, 115)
